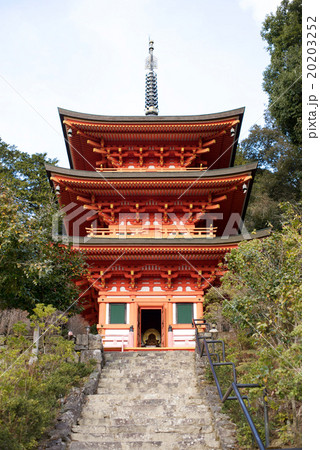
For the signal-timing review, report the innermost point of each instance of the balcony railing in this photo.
(136, 231)
(148, 169)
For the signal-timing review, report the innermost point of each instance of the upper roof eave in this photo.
(229, 171)
(151, 119)
(161, 120)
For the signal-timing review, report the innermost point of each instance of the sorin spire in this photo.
(151, 104)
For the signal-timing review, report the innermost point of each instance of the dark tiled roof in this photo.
(194, 175)
(209, 242)
(151, 119)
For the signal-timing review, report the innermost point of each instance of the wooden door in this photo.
(163, 326)
(139, 328)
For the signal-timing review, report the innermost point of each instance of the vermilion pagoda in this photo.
(155, 203)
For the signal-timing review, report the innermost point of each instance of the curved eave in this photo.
(194, 176)
(192, 119)
(236, 113)
(151, 244)
(192, 184)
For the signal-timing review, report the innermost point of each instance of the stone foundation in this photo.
(225, 430)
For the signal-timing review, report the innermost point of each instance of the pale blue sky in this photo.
(88, 56)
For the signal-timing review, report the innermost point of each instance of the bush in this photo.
(260, 296)
(31, 390)
(9, 317)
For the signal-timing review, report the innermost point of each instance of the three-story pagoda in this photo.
(155, 203)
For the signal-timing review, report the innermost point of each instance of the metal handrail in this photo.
(202, 346)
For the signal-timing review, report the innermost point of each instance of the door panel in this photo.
(139, 328)
(163, 326)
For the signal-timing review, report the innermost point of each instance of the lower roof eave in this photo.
(184, 175)
(208, 242)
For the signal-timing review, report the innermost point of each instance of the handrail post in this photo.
(212, 369)
(248, 417)
(266, 417)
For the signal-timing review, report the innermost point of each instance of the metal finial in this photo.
(151, 101)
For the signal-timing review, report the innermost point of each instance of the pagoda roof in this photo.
(99, 248)
(152, 119)
(203, 244)
(76, 186)
(150, 130)
(172, 175)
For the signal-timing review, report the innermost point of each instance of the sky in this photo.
(89, 55)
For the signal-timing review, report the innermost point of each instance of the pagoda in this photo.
(155, 203)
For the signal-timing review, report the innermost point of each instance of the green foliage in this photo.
(36, 275)
(30, 393)
(33, 269)
(26, 176)
(93, 329)
(278, 158)
(282, 79)
(264, 281)
(278, 176)
(261, 298)
(277, 145)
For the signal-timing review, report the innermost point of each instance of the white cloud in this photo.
(259, 8)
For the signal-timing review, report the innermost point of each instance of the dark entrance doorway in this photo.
(150, 327)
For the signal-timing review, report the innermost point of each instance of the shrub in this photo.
(30, 391)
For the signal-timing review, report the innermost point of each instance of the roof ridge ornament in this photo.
(151, 92)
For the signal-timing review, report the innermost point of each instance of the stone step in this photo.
(164, 437)
(156, 368)
(155, 427)
(141, 369)
(165, 363)
(155, 373)
(98, 417)
(137, 400)
(145, 401)
(130, 405)
(113, 445)
(118, 381)
(129, 381)
(147, 445)
(170, 421)
(147, 405)
(109, 398)
(175, 386)
(151, 354)
(158, 388)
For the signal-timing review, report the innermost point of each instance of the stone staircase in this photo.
(146, 400)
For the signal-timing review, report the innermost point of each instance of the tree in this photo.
(278, 176)
(26, 176)
(30, 395)
(276, 154)
(277, 145)
(282, 79)
(261, 298)
(264, 281)
(33, 268)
